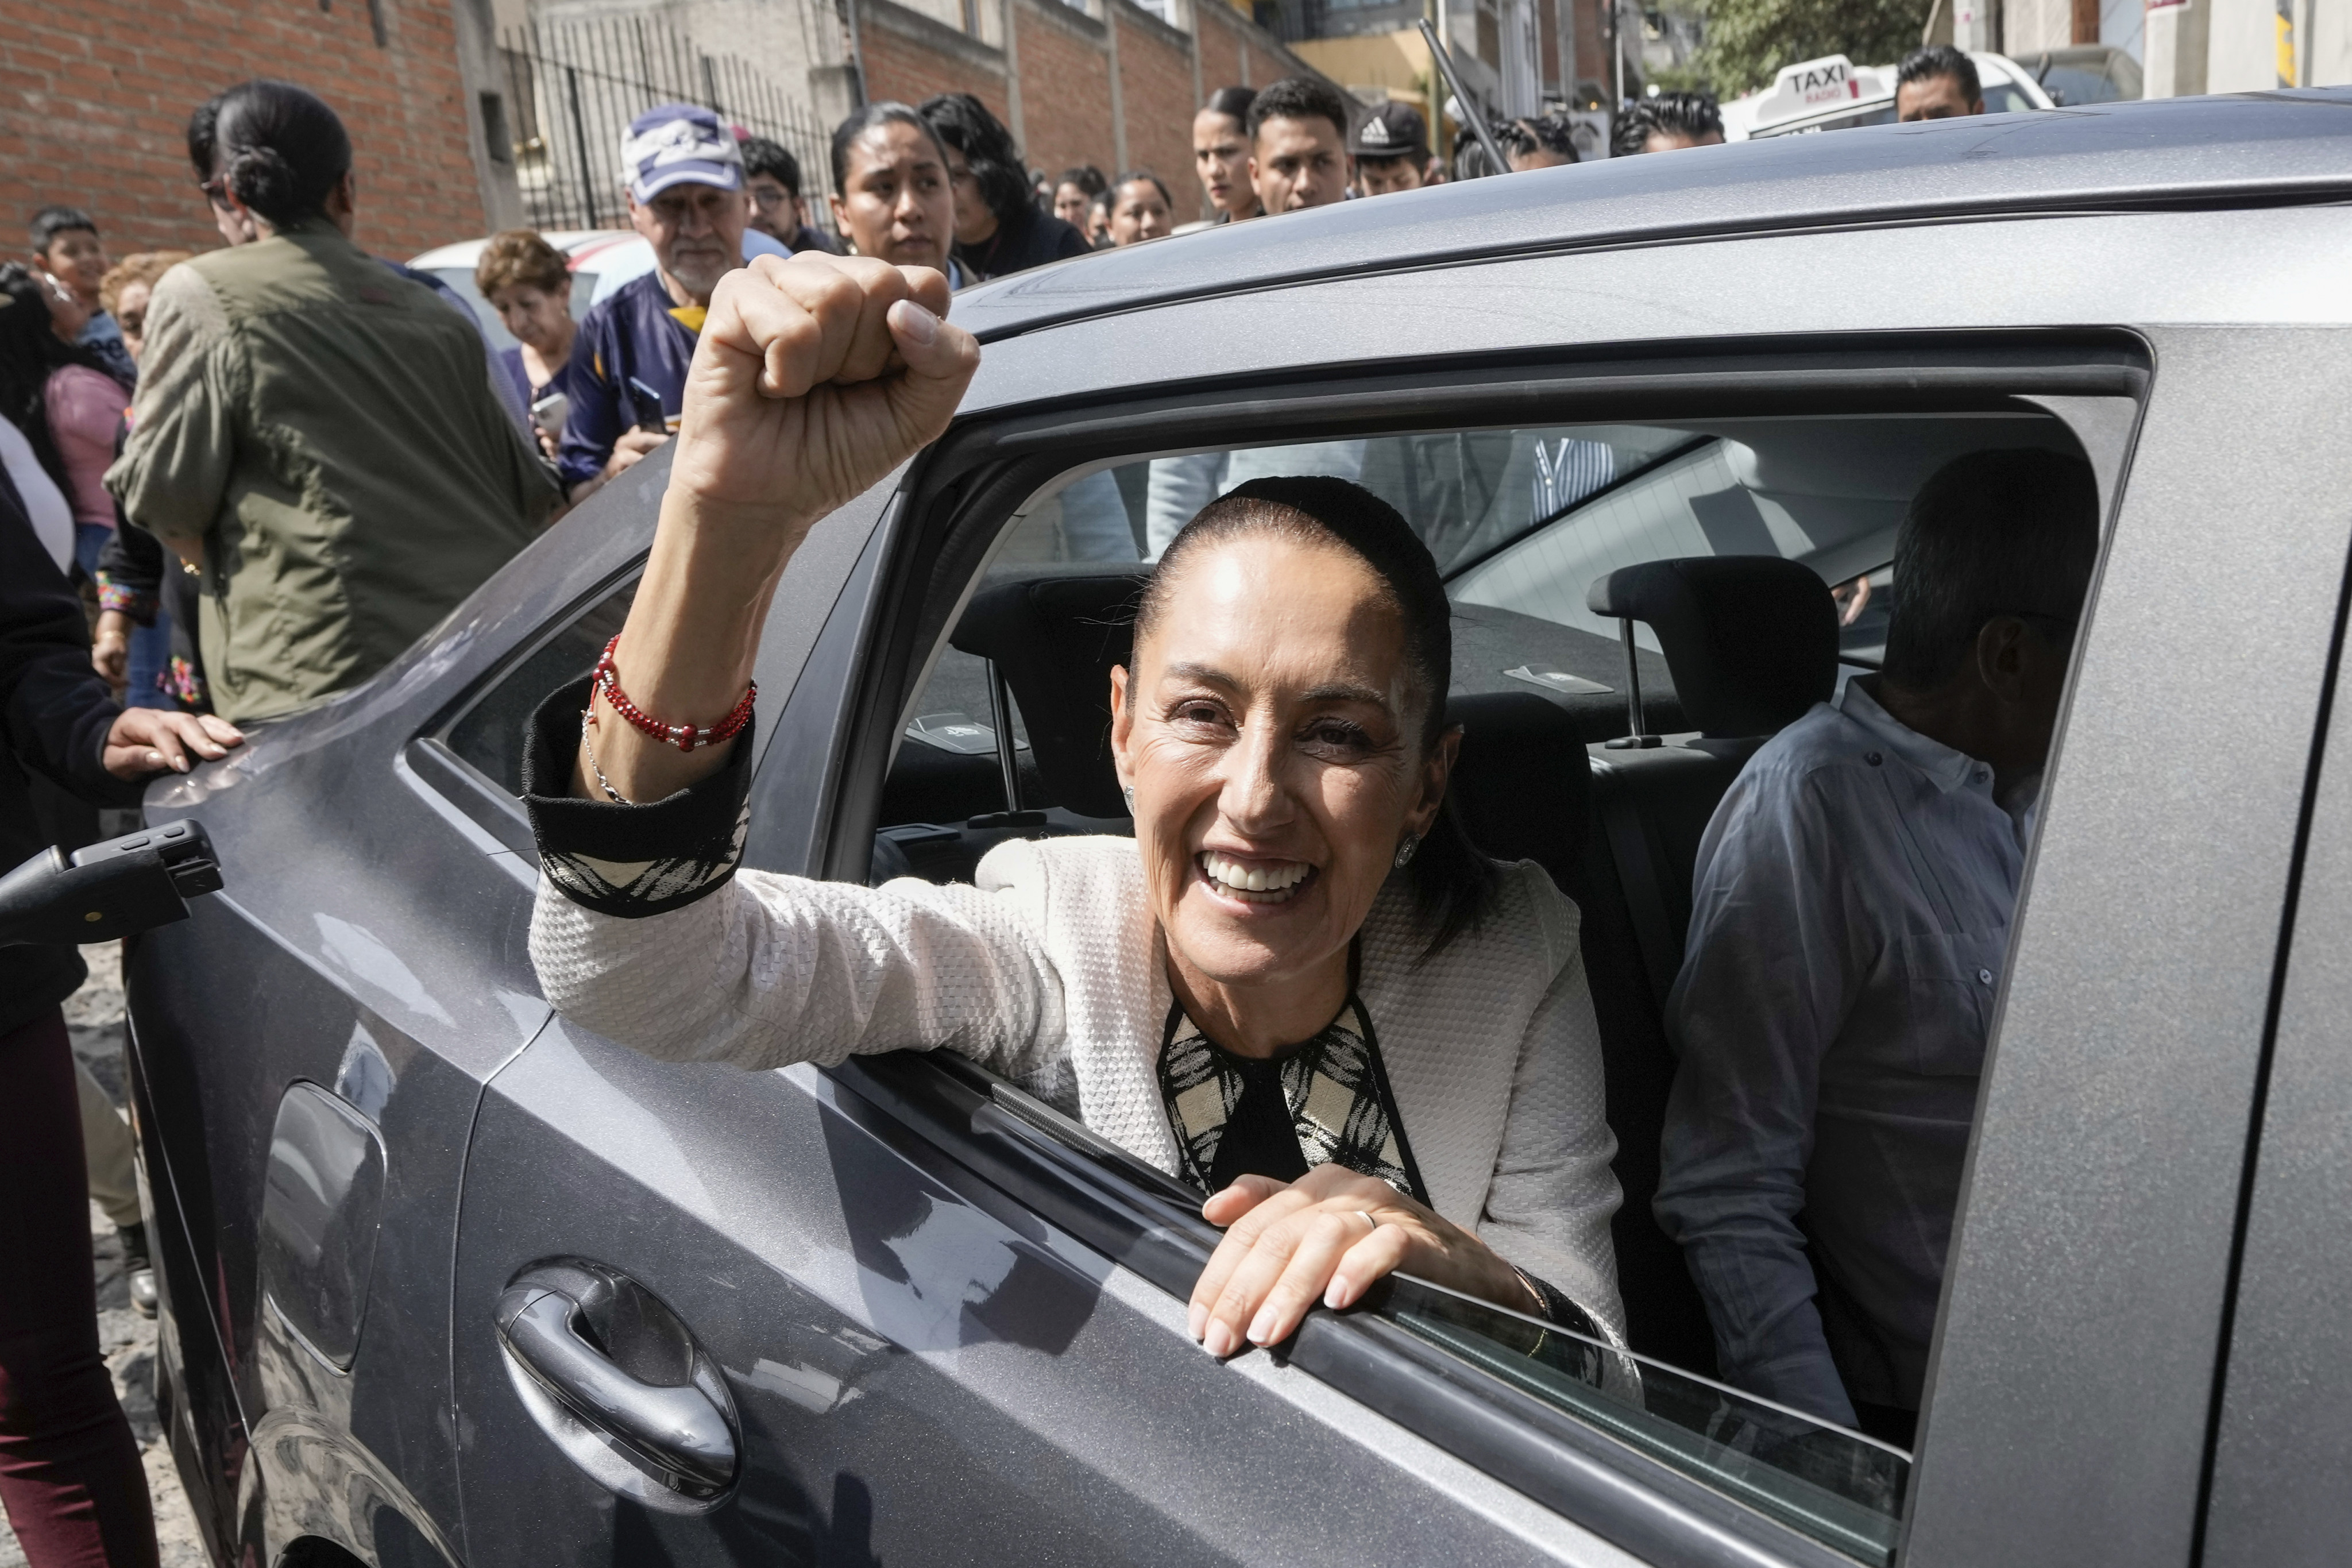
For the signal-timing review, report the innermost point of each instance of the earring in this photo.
(1128, 790)
(1405, 850)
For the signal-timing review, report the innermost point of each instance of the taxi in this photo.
(1832, 93)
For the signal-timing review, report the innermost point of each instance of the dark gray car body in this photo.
(2137, 1361)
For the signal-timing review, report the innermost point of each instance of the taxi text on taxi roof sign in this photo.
(1814, 85)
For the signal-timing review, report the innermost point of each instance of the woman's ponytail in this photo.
(280, 149)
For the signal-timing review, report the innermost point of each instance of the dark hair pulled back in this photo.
(276, 147)
(887, 112)
(961, 122)
(1232, 103)
(1454, 885)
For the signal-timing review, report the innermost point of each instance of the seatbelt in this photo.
(1637, 875)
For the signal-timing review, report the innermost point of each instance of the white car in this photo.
(600, 259)
(1832, 93)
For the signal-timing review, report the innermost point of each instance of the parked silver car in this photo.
(447, 1279)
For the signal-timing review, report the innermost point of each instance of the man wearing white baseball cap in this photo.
(684, 176)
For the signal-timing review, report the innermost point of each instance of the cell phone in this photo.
(549, 413)
(648, 404)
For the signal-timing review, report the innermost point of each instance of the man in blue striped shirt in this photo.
(1850, 919)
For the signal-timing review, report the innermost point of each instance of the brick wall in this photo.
(1065, 80)
(909, 57)
(1220, 48)
(1062, 58)
(94, 101)
(1155, 73)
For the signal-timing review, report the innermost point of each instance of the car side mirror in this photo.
(117, 889)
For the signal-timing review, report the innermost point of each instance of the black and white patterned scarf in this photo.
(1334, 1088)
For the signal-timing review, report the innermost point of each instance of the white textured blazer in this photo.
(1051, 970)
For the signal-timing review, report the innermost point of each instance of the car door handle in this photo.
(679, 1433)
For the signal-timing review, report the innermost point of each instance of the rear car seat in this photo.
(1752, 644)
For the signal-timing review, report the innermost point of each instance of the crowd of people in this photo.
(235, 484)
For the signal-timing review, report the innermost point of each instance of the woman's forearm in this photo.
(687, 647)
(812, 379)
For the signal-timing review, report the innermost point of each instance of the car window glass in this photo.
(1842, 1488)
(1839, 1487)
(1522, 522)
(490, 732)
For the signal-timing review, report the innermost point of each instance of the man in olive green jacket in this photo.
(319, 433)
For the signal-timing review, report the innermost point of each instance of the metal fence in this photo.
(575, 84)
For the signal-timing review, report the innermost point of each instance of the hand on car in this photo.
(109, 648)
(1328, 1237)
(629, 451)
(146, 741)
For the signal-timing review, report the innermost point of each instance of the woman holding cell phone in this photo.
(528, 283)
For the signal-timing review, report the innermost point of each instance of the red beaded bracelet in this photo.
(684, 736)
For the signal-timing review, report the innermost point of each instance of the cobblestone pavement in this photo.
(94, 1015)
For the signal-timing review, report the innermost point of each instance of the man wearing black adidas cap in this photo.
(1391, 151)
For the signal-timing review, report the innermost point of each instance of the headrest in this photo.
(1751, 639)
(1523, 783)
(1055, 640)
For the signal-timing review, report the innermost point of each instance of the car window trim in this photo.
(961, 492)
(1143, 1220)
(480, 798)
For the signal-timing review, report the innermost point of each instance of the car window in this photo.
(489, 733)
(1522, 522)
(2007, 97)
(1842, 1488)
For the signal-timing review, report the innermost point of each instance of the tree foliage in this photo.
(1748, 41)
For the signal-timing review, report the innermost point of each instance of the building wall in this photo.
(1396, 63)
(909, 57)
(1066, 64)
(2241, 47)
(94, 101)
(1219, 48)
(1155, 73)
(1055, 86)
(2030, 26)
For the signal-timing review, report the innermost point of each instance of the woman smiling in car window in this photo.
(1297, 985)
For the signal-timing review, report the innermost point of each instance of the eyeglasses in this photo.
(770, 200)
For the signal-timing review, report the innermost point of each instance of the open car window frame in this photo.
(960, 499)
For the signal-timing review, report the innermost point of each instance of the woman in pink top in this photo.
(85, 408)
(54, 391)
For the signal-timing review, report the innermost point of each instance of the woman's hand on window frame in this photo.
(1329, 1237)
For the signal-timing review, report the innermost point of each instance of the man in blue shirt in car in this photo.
(628, 381)
(1849, 922)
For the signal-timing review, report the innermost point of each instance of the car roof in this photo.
(2292, 145)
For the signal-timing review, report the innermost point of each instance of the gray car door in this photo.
(896, 1311)
(310, 1048)
(710, 1316)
